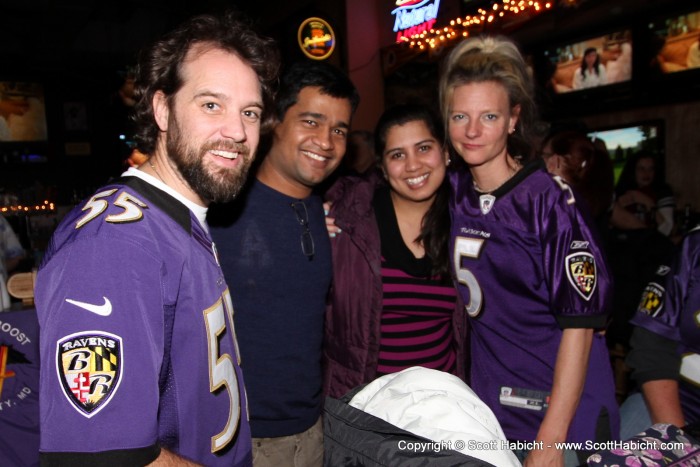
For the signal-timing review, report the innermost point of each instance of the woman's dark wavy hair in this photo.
(596, 65)
(159, 66)
(628, 176)
(435, 231)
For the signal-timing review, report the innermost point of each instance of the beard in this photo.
(211, 183)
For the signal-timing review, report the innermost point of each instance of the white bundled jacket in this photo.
(438, 406)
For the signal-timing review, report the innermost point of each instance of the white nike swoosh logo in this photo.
(102, 310)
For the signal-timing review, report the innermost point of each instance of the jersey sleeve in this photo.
(659, 304)
(100, 310)
(668, 295)
(579, 280)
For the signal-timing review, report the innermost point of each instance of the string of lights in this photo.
(23, 209)
(460, 27)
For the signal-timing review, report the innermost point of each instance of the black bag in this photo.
(353, 437)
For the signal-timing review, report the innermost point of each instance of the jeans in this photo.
(299, 450)
(634, 416)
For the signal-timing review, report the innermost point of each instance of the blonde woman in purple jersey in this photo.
(528, 268)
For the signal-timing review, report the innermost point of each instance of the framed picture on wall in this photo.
(22, 112)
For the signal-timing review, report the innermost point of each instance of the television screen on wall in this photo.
(621, 141)
(675, 43)
(22, 112)
(609, 56)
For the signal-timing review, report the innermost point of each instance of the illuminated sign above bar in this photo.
(316, 38)
(414, 17)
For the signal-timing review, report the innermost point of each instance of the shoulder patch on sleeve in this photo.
(89, 367)
(652, 301)
(582, 274)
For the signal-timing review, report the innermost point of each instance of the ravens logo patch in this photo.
(581, 271)
(89, 366)
(652, 300)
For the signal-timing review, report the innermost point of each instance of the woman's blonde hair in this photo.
(498, 59)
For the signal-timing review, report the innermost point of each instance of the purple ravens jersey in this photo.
(670, 307)
(138, 348)
(527, 266)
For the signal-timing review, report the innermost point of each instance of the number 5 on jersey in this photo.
(221, 367)
(469, 248)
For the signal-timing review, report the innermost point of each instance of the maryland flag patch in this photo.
(89, 366)
(581, 271)
(652, 300)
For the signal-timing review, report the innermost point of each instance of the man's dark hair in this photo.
(332, 81)
(160, 65)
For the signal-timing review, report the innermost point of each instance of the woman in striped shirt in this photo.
(393, 304)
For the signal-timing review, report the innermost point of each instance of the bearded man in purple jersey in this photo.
(527, 263)
(140, 361)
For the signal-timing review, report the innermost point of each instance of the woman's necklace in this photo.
(513, 170)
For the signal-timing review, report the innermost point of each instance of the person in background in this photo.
(275, 248)
(570, 155)
(642, 199)
(359, 159)
(528, 267)
(11, 250)
(641, 222)
(665, 345)
(140, 359)
(360, 156)
(592, 73)
(392, 303)
(11, 254)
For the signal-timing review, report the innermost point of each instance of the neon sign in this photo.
(316, 38)
(414, 17)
